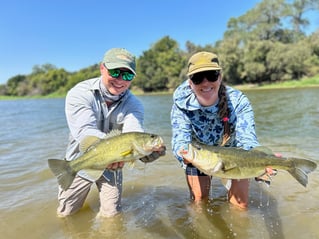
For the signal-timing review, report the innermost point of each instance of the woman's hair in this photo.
(223, 112)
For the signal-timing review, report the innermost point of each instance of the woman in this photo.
(206, 110)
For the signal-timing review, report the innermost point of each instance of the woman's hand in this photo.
(269, 172)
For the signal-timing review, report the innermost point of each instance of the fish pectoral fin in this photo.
(218, 167)
(126, 153)
(230, 169)
(88, 142)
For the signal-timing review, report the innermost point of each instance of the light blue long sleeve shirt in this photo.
(190, 121)
(88, 115)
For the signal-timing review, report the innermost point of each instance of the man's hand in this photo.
(155, 155)
(114, 166)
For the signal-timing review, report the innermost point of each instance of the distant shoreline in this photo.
(304, 83)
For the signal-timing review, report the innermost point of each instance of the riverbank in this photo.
(303, 83)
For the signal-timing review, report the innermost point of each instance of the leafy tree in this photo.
(13, 85)
(230, 57)
(3, 89)
(159, 67)
(40, 69)
(297, 10)
(288, 61)
(52, 81)
(81, 75)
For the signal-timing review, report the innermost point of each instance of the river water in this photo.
(155, 196)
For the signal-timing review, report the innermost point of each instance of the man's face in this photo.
(115, 86)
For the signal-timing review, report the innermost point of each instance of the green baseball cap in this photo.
(119, 58)
(203, 61)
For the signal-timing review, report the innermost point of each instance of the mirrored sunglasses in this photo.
(126, 75)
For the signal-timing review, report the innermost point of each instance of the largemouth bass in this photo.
(237, 163)
(99, 153)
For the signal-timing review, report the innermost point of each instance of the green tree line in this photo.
(266, 44)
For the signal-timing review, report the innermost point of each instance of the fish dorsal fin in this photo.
(88, 142)
(112, 133)
(263, 149)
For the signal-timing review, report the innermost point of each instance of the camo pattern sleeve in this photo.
(242, 120)
(181, 131)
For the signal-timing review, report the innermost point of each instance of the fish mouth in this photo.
(156, 144)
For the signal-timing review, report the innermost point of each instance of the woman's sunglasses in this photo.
(199, 77)
(126, 75)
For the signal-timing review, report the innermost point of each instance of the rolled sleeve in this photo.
(245, 128)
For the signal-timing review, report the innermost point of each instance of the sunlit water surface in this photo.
(155, 198)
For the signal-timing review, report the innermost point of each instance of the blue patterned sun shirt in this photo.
(192, 121)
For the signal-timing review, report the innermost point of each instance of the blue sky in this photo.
(75, 34)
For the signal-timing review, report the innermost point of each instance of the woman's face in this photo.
(115, 86)
(207, 91)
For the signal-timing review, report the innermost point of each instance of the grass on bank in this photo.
(303, 83)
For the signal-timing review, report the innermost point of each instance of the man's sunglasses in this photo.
(211, 76)
(126, 75)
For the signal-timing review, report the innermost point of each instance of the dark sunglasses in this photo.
(126, 75)
(211, 76)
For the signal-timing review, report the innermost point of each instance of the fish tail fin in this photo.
(62, 170)
(300, 170)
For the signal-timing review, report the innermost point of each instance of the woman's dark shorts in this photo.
(191, 170)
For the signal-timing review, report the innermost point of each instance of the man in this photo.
(94, 107)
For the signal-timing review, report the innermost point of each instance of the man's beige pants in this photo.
(110, 191)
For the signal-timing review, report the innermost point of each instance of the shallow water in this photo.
(155, 197)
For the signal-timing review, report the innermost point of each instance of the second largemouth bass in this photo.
(237, 163)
